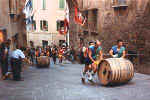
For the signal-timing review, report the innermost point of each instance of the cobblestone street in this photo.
(111, 34)
(63, 83)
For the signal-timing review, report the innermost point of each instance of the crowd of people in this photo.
(11, 60)
(54, 52)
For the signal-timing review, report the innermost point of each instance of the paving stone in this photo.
(63, 83)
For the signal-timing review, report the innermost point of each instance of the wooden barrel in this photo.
(115, 71)
(43, 61)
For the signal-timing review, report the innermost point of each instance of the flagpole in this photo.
(68, 38)
(67, 17)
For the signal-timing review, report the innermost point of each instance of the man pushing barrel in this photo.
(93, 57)
(118, 51)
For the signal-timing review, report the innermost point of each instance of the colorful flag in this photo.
(28, 11)
(64, 30)
(79, 19)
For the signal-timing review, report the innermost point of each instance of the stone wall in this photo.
(15, 24)
(130, 22)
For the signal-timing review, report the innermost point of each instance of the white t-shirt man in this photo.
(17, 54)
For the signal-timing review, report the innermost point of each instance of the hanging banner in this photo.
(64, 30)
(79, 19)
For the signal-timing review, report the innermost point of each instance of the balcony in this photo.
(119, 4)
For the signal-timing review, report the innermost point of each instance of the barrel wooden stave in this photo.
(118, 70)
(43, 61)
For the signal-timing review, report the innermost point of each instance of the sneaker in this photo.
(90, 76)
(83, 75)
(93, 74)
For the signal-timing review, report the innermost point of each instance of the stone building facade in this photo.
(12, 22)
(109, 20)
(46, 15)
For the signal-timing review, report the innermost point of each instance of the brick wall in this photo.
(13, 25)
(130, 23)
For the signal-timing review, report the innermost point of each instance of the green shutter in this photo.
(44, 4)
(41, 25)
(61, 4)
(58, 25)
(47, 25)
(34, 25)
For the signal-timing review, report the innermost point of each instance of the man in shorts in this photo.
(86, 60)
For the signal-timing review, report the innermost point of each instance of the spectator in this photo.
(4, 53)
(16, 62)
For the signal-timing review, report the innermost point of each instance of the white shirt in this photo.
(83, 49)
(18, 53)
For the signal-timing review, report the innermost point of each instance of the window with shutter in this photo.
(44, 25)
(60, 25)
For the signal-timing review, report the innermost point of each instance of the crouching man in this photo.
(118, 51)
(16, 61)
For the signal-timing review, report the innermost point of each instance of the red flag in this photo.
(79, 19)
(64, 30)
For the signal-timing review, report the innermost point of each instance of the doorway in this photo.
(44, 43)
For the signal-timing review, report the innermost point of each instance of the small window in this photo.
(119, 3)
(34, 25)
(44, 43)
(60, 25)
(12, 7)
(61, 4)
(95, 17)
(44, 25)
(94, 20)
